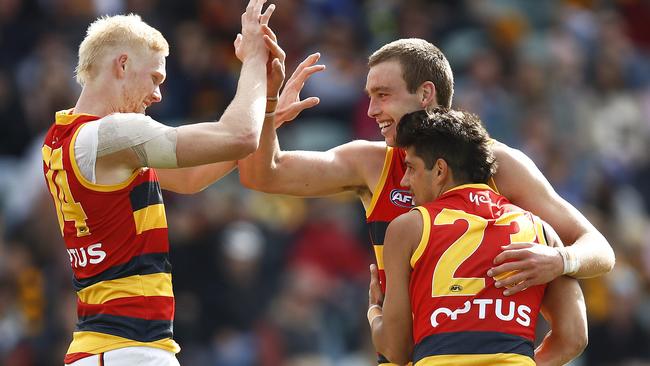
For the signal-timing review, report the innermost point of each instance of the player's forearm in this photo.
(194, 179)
(257, 171)
(244, 117)
(387, 339)
(556, 350)
(590, 256)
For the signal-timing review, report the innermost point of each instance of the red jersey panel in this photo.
(389, 200)
(116, 239)
(456, 308)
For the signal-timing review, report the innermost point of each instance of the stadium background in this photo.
(271, 280)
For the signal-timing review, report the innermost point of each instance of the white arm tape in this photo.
(153, 142)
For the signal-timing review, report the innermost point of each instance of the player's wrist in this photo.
(271, 105)
(570, 262)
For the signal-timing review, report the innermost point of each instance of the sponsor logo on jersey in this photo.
(81, 257)
(477, 199)
(479, 308)
(401, 198)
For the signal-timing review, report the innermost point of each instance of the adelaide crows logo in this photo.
(401, 198)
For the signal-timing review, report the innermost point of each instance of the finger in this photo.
(277, 67)
(264, 19)
(512, 280)
(257, 8)
(238, 40)
(268, 31)
(273, 47)
(298, 107)
(505, 268)
(513, 246)
(515, 289)
(304, 74)
(509, 255)
(310, 60)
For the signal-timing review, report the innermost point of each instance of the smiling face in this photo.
(144, 72)
(389, 97)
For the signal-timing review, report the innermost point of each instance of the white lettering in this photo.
(85, 260)
(478, 199)
(434, 316)
(524, 313)
(483, 308)
(482, 303)
(499, 310)
(96, 254)
(92, 254)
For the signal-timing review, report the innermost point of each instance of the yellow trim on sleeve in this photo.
(426, 232)
(157, 284)
(379, 256)
(66, 117)
(95, 343)
(382, 180)
(90, 185)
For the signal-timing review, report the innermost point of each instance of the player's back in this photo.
(460, 318)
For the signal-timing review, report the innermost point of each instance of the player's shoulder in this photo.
(366, 145)
(408, 224)
(121, 118)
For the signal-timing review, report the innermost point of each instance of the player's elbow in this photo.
(245, 143)
(398, 355)
(576, 345)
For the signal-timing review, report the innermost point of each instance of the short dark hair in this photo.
(421, 61)
(455, 136)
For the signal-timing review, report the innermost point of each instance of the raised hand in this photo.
(275, 66)
(250, 43)
(289, 103)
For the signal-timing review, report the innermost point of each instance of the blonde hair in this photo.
(119, 31)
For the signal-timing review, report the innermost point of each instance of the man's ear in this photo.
(440, 169)
(119, 65)
(427, 94)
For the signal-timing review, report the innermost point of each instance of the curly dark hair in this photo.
(457, 137)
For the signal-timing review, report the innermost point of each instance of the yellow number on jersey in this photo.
(66, 207)
(444, 283)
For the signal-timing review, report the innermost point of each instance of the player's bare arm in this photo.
(392, 324)
(564, 309)
(197, 147)
(349, 167)
(587, 253)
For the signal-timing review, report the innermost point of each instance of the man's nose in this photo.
(373, 108)
(157, 95)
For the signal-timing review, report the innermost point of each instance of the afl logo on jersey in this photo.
(401, 198)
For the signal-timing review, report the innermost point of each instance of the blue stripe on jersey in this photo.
(145, 194)
(462, 343)
(140, 330)
(378, 231)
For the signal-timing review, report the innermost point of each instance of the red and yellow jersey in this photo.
(389, 200)
(459, 317)
(116, 239)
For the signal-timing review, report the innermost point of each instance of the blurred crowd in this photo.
(273, 280)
